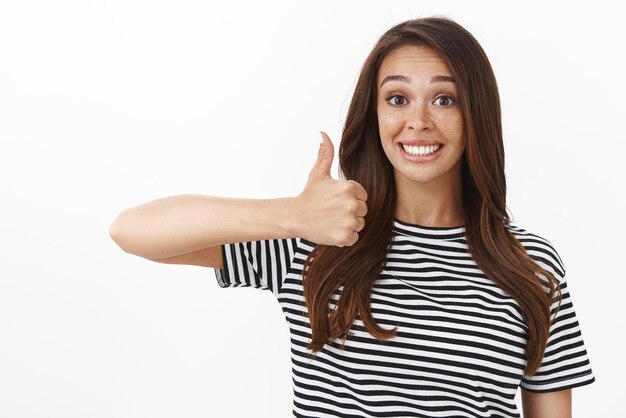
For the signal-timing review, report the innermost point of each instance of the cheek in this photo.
(451, 126)
(388, 123)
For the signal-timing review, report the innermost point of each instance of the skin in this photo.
(547, 405)
(430, 193)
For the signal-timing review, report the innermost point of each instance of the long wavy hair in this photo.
(499, 255)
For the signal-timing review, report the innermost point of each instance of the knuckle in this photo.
(347, 186)
(346, 237)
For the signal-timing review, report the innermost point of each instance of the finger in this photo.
(362, 208)
(324, 161)
(355, 238)
(359, 191)
(361, 225)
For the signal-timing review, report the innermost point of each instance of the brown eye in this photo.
(397, 100)
(447, 100)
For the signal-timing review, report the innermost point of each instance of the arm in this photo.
(183, 224)
(556, 404)
(190, 229)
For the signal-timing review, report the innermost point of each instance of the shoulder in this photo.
(540, 249)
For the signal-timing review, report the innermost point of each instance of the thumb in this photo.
(324, 161)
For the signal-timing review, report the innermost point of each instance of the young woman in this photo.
(407, 290)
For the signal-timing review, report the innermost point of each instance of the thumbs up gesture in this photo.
(331, 211)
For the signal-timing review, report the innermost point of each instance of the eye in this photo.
(447, 100)
(395, 100)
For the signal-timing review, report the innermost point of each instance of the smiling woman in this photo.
(477, 306)
(407, 289)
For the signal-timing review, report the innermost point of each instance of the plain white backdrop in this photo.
(109, 104)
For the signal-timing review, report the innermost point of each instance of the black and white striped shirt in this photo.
(460, 342)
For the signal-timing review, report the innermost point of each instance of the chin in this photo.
(415, 177)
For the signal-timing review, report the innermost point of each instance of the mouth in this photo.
(420, 151)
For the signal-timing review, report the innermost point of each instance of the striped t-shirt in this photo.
(460, 339)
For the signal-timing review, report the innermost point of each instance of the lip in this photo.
(424, 158)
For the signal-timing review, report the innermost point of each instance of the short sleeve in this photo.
(259, 264)
(565, 364)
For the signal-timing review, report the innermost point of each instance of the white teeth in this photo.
(421, 150)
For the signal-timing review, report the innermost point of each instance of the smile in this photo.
(420, 154)
(421, 150)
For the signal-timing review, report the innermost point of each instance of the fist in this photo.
(331, 212)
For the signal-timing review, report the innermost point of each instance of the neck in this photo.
(435, 203)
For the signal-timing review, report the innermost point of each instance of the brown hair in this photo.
(493, 247)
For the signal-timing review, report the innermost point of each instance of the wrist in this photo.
(288, 216)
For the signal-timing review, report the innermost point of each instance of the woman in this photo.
(407, 289)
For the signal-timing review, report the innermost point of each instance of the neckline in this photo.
(406, 228)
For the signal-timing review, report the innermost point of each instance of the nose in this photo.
(419, 117)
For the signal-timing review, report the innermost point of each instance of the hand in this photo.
(330, 212)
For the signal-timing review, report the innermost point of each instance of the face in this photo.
(419, 118)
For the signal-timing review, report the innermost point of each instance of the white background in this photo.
(109, 104)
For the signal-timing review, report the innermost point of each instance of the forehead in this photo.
(412, 60)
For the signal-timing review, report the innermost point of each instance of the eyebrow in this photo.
(405, 79)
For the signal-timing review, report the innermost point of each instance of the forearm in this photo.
(180, 224)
